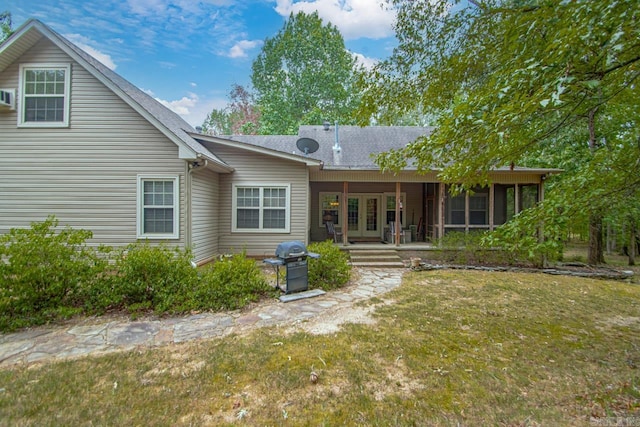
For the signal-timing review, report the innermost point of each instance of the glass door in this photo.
(363, 215)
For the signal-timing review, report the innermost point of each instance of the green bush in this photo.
(534, 236)
(230, 283)
(466, 248)
(44, 273)
(331, 270)
(48, 274)
(151, 277)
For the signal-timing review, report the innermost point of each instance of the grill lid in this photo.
(291, 249)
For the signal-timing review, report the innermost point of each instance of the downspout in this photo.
(191, 166)
(187, 205)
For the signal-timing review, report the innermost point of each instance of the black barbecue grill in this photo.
(293, 256)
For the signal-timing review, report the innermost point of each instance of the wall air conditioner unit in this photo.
(7, 99)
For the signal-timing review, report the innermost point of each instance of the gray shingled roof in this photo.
(172, 123)
(357, 144)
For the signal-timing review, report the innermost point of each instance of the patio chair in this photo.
(332, 232)
(392, 231)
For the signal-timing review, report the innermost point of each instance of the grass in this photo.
(448, 348)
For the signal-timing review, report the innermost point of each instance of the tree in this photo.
(239, 117)
(511, 78)
(304, 75)
(5, 25)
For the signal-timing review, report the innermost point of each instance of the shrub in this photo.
(331, 270)
(44, 273)
(521, 237)
(230, 283)
(467, 248)
(151, 277)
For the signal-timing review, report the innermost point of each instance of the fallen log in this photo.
(576, 271)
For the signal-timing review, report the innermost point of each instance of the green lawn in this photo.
(447, 348)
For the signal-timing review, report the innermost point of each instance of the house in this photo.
(82, 143)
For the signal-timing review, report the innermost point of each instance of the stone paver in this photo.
(58, 343)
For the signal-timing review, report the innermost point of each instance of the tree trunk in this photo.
(596, 241)
(632, 244)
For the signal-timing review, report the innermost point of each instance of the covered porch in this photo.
(372, 208)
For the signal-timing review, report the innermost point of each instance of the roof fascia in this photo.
(256, 149)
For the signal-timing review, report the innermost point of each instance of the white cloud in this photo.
(365, 61)
(354, 18)
(154, 7)
(182, 105)
(147, 7)
(239, 50)
(192, 108)
(83, 43)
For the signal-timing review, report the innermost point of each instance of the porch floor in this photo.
(377, 246)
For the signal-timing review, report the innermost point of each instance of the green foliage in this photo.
(304, 75)
(5, 25)
(48, 274)
(157, 277)
(331, 270)
(45, 272)
(526, 82)
(239, 117)
(543, 245)
(467, 248)
(232, 282)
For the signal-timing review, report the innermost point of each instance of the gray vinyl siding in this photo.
(85, 174)
(258, 168)
(204, 214)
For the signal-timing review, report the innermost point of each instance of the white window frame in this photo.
(260, 229)
(321, 211)
(385, 211)
(176, 207)
(67, 90)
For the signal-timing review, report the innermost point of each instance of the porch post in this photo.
(516, 208)
(397, 222)
(441, 201)
(492, 198)
(466, 212)
(345, 211)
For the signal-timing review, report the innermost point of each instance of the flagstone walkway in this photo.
(100, 335)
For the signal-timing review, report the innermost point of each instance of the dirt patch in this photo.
(330, 323)
(622, 321)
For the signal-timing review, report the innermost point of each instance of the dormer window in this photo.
(44, 95)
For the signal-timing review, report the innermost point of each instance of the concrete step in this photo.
(384, 264)
(381, 258)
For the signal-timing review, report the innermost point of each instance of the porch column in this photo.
(516, 196)
(441, 201)
(492, 199)
(540, 199)
(466, 212)
(345, 212)
(398, 225)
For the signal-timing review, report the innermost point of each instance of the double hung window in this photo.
(158, 207)
(44, 95)
(261, 208)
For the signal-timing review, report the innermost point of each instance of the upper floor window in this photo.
(44, 95)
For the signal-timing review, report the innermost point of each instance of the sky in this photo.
(188, 53)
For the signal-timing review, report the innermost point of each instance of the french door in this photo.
(363, 215)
